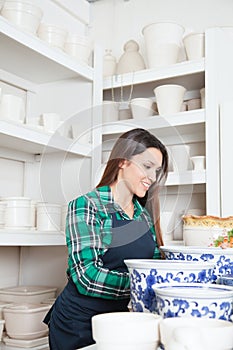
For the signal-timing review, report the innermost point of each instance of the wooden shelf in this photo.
(19, 237)
(188, 69)
(26, 139)
(36, 60)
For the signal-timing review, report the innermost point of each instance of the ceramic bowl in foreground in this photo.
(146, 272)
(194, 300)
(126, 331)
(196, 333)
(222, 258)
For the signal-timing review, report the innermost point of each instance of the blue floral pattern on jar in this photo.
(223, 264)
(142, 294)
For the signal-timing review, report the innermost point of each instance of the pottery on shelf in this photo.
(131, 60)
(109, 64)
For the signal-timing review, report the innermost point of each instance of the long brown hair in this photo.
(128, 145)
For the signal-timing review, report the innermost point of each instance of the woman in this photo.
(104, 227)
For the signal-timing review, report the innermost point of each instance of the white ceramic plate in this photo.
(25, 343)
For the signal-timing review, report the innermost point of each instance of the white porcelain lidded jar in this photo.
(109, 64)
(131, 60)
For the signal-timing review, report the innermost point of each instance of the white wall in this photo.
(117, 21)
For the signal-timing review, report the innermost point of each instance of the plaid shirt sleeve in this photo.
(84, 237)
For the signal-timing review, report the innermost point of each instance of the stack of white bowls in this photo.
(55, 36)
(78, 47)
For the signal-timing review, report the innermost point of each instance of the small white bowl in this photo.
(194, 300)
(144, 273)
(198, 333)
(142, 108)
(198, 162)
(126, 331)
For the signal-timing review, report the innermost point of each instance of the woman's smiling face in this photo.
(140, 171)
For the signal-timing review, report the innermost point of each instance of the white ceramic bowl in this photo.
(25, 321)
(142, 108)
(197, 333)
(78, 47)
(24, 294)
(194, 300)
(194, 44)
(126, 331)
(200, 235)
(55, 36)
(169, 98)
(145, 273)
(24, 14)
(222, 258)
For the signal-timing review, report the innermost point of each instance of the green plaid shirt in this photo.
(88, 235)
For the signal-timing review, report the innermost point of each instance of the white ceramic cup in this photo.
(180, 155)
(198, 162)
(169, 98)
(12, 107)
(167, 225)
(194, 44)
(48, 217)
(142, 108)
(51, 121)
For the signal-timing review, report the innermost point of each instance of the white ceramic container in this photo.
(194, 103)
(198, 162)
(55, 36)
(12, 107)
(142, 108)
(131, 60)
(25, 14)
(169, 98)
(167, 222)
(2, 305)
(126, 331)
(180, 157)
(144, 273)
(163, 41)
(196, 333)
(51, 121)
(200, 235)
(24, 294)
(2, 213)
(222, 258)
(110, 111)
(202, 300)
(194, 44)
(25, 321)
(78, 47)
(202, 93)
(2, 323)
(109, 64)
(48, 217)
(17, 213)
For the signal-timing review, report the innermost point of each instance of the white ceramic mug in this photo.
(51, 121)
(12, 107)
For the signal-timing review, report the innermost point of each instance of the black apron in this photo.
(69, 319)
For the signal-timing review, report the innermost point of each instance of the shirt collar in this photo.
(106, 197)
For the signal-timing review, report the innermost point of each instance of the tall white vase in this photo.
(163, 41)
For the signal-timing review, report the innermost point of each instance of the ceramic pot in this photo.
(109, 64)
(169, 98)
(194, 44)
(142, 108)
(53, 35)
(12, 107)
(110, 111)
(78, 47)
(131, 60)
(180, 156)
(24, 14)
(163, 41)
